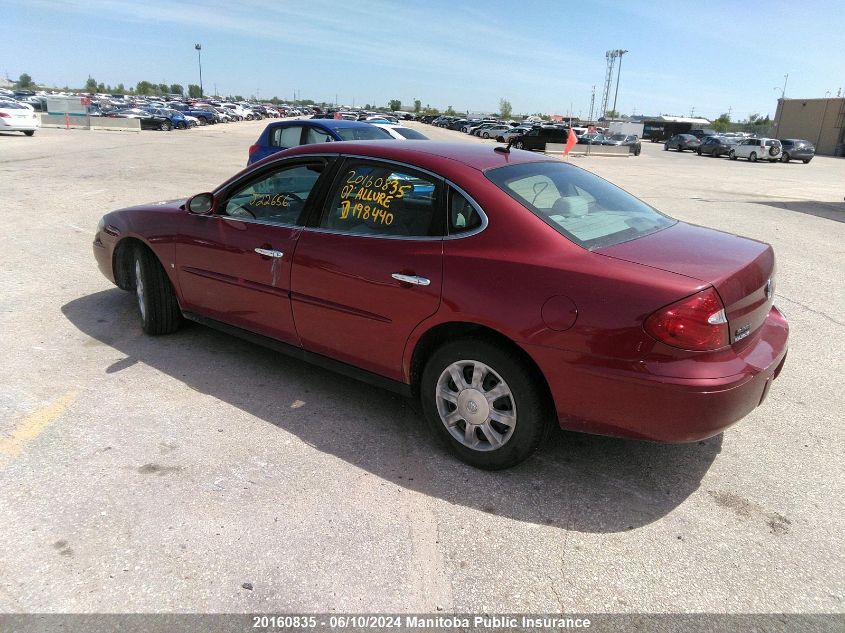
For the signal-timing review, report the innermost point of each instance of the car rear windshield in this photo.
(579, 205)
(363, 133)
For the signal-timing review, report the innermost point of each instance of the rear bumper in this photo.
(27, 124)
(663, 408)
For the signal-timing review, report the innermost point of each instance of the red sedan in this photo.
(508, 291)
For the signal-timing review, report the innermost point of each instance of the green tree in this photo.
(505, 108)
(417, 106)
(162, 89)
(177, 89)
(120, 89)
(752, 118)
(194, 92)
(395, 104)
(101, 87)
(722, 123)
(450, 111)
(91, 84)
(144, 88)
(24, 82)
(611, 114)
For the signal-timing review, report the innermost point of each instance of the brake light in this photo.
(696, 323)
(253, 149)
(5, 115)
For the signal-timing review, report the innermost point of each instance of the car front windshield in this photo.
(364, 133)
(618, 137)
(579, 205)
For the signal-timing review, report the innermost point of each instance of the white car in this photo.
(401, 132)
(18, 117)
(755, 149)
(494, 131)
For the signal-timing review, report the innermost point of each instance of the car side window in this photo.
(278, 197)
(317, 135)
(463, 216)
(378, 199)
(289, 136)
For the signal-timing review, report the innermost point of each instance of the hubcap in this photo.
(476, 405)
(139, 289)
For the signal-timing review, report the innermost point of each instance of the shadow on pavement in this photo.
(831, 210)
(578, 482)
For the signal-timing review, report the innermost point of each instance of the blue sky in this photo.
(541, 56)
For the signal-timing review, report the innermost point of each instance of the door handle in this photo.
(411, 279)
(268, 252)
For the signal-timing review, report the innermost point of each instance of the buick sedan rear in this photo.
(507, 291)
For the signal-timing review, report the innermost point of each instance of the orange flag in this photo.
(570, 142)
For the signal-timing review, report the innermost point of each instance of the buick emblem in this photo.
(472, 407)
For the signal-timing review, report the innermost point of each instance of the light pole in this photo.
(618, 72)
(783, 92)
(199, 60)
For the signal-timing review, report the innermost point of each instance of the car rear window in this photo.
(363, 133)
(411, 134)
(579, 205)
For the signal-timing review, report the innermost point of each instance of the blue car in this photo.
(177, 119)
(285, 134)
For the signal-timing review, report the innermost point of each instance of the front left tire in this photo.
(485, 403)
(29, 132)
(158, 308)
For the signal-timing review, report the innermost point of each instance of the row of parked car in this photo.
(535, 135)
(154, 113)
(752, 149)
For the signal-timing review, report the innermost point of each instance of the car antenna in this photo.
(504, 150)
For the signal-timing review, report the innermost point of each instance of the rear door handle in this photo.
(411, 279)
(268, 252)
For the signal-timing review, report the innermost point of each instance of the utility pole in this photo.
(592, 103)
(198, 48)
(692, 112)
(783, 92)
(618, 72)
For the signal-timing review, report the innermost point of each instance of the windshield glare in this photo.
(582, 207)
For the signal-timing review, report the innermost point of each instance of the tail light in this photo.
(253, 149)
(5, 115)
(696, 323)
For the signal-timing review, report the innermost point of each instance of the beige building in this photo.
(821, 121)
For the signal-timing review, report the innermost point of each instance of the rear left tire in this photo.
(29, 132)
(484, 403)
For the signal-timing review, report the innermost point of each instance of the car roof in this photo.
(480, 157)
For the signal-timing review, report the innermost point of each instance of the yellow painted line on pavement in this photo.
(34, 424)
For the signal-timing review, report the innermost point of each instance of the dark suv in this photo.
(537, 138)
(798, 149)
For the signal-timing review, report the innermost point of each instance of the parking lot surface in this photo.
(198, 472)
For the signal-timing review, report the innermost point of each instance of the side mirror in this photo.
(201, 204)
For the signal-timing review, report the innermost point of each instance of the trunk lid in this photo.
(741, 269)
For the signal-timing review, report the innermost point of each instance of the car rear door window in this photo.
(278, 197)
(464, 216)
(317, 135)
(288, 136)
(379, 199)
